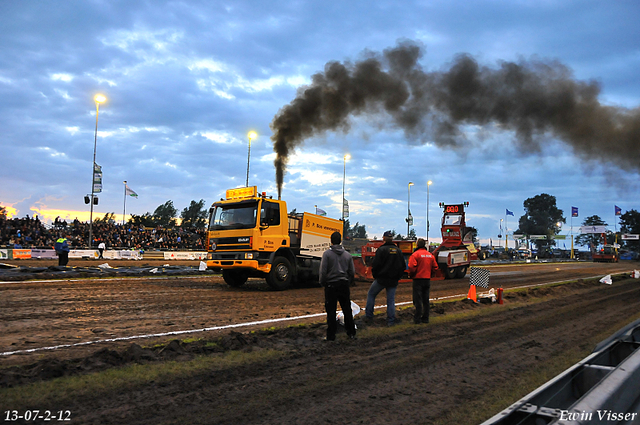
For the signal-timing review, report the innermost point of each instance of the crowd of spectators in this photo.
(29, 233)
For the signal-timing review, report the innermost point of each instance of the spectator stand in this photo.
(30, 238)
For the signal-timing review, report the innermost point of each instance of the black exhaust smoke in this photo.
(531, 98)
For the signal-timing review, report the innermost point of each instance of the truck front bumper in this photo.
(259, 265)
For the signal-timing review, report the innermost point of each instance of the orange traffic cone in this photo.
(472, 293)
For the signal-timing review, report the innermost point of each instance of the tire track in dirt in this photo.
(462, 350)
(416, 375)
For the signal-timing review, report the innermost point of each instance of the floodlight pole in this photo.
(252, 135)
(409, 208)
(124, 209)
(344, 178)
(93, 172)
(428, 184)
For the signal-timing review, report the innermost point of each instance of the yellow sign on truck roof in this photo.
(242, 192)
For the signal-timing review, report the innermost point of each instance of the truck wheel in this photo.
(450, 272)
(461, 272)
(281, 274)
(235, 278)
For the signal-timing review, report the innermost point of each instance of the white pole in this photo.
(124, 210)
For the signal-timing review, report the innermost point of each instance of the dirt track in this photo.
(50, 313)
(412, 375)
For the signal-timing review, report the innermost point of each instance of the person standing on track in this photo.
(336, 274)
(62, 250)
(422, 264)
(387, 269)
(101, 247)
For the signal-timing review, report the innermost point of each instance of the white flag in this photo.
(129, 192)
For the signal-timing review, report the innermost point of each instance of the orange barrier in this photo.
(21, 254)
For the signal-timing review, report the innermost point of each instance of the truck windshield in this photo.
(452, 220)
(234, 216)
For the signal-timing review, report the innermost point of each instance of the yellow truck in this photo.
(252, 235)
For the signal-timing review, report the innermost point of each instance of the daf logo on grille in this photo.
(243, 239)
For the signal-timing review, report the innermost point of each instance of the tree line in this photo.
(193, 217)
(542, 217)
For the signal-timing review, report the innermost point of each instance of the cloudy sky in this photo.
(186, 81)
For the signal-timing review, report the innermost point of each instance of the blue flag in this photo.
(574, 211)
(509, 212)
(618, 210)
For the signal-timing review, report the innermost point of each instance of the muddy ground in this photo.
(410, 374)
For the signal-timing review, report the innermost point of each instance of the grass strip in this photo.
(126, 377)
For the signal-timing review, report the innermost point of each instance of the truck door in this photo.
(274, 233)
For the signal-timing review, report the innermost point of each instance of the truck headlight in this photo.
(248, 255)
(212, 245)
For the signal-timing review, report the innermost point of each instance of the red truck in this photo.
(453, 255)
(607, 253)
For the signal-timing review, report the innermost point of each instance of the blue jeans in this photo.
(374, 290)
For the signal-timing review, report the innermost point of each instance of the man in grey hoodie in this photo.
(336, 274)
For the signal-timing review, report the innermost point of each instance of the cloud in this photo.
(314, 177)
(223, 138)
(62, 77)
(52, 152)
(9, 211)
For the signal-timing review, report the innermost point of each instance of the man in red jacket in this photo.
(421, 265)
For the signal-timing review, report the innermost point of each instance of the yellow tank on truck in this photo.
(316, 233)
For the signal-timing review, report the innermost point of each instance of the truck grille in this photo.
(226, 257)
(232, 247)
(232, 244)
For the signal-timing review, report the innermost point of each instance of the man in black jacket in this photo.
(387, 269)
(336, 274)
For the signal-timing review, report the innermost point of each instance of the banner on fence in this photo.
(114, 254)
(111, 255)
(185, 255)
(47, 254)
(83, 253)
(130, 255)
(5, 254)
(21, 254)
